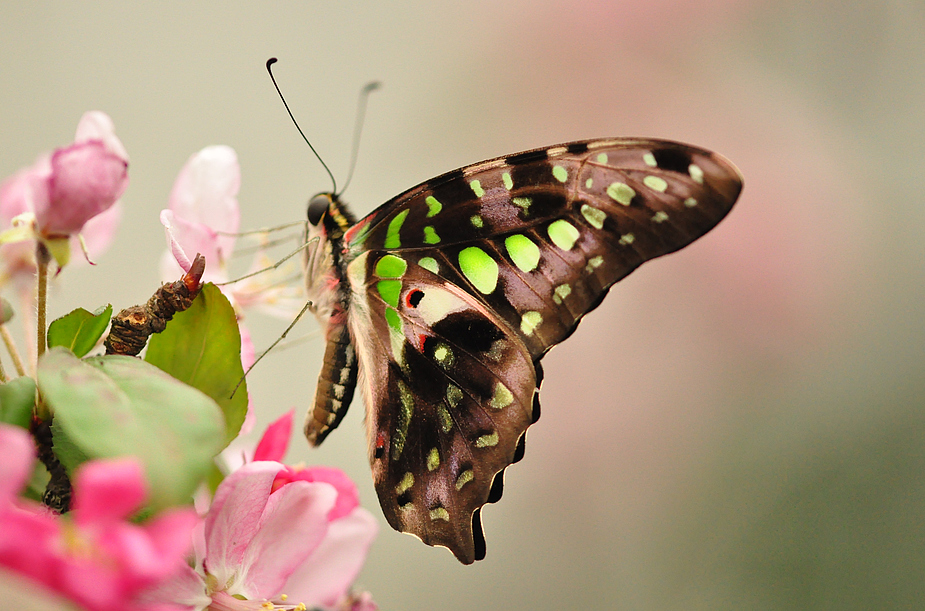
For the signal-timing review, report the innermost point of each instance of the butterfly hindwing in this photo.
(460, 286)
(452, 391)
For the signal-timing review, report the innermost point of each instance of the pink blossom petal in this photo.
(206, 191)
(108, 490)
(96, 125)
(295, 523)
(19, 192)
(323, 580)
(347, 496)
(235, 516)
(17, 453)
(99, 231)
(85, 180)
(275, 441)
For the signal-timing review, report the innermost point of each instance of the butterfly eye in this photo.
(317, 207)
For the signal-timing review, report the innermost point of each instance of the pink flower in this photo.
(62, 192)
(272, 536)
(94, 556)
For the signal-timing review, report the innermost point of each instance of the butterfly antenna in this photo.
(358, 128)
(273, 345)
(270, 63)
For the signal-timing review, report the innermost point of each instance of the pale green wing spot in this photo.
(627, 238)
(433, 206)
(479, 269)
(464, 478)
(430, 236)
(563, 234)
(523, 202)
(391, 266)
(588, 183)
(690, 202)
(649, 158)
(559, 173)
(602, 157)
(660, 217)
(430, 264)
(444, 355)
(405, 484)
(392, 240)
(454, 395)
(487, 441)
(594, 263)
(621, 193)
(446, 421)
(405, 412)
(656, 183)
(502, 397)
(508, 182)
(389, 291)
(439, 513)
(477, 188)
(594, 216)
(433, 459)
(530, 321)
(696, 173)
(393, 319)
(523, 252)
(562, 291)
(476, 221)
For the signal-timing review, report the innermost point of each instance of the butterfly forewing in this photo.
(460, 285)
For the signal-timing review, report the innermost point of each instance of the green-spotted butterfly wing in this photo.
(458, 287)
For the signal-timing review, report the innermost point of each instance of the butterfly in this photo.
(441, 303)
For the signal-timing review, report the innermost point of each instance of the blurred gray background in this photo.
(738, 426)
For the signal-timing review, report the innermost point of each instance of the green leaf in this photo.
(112, 406)
(202, 347)
(79, 330)
(17, 398)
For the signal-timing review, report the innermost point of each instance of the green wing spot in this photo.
(433, 459)
(392, 240)
(502, 397)
(659, 217)
(508, 182)
(487, 441)
(563, 234)
(649, 158)
(430, 236)
(464, 478)
(523, 202)
(430, 264)
(479, 269)
(620, 192)
(588, 183)
(602, 157)
(656, 183)
(696, 173)
(690, 202)
(594, 216)
(391, 266)
(405, 484)
(389, 291)
(530, 321)
(439, 513)
(594, 263)
(523, 252)
(433, 206)
(454, 395)
(626, 239)
(559, 173)
(394, 320)
(477, 188)
(562, 291)
(405, 412)
(476, 221)
(446, 421)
